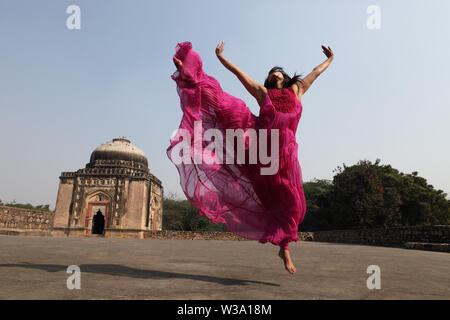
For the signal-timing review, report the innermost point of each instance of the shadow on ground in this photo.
(120, 270)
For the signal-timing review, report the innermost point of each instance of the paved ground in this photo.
(35, 268)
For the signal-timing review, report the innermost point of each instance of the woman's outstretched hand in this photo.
(177, 63)
(328, 52)
(219, 50)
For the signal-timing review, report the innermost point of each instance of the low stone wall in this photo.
(391, 237)
(192, 235)
(17, 220)
(435, 238)
(444, 247)
(207, 235)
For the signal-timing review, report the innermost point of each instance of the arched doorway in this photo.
(98, 223)
(95, 222)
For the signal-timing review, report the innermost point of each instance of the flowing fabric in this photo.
(256, 206)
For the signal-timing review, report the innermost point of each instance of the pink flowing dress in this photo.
(256, 206)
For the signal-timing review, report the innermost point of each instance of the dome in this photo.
(119, 149)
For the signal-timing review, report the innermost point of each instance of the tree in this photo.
(369, 195)
(182, 215)
(421, 204)
(171, 195)
(315, 217)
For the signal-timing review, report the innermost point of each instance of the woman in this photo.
(256, 206)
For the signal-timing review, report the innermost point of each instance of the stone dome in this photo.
(119, 149)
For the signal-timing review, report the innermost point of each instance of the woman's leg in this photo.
(284, 245)
(285, 255)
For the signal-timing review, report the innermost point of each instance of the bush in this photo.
(367, 195)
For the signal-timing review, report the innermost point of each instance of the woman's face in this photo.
(276, 78)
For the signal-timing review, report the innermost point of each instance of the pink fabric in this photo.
(267, 208)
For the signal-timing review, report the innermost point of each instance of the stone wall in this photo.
(436, 238)
(17, 220)
(191, 235)
(391, 237)
(208, 235)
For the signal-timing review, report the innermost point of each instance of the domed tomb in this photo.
(118, 149)
(115, 195)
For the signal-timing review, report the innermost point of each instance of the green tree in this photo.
(315, 194)
(420, 203)
(182, 215)
(369, 195)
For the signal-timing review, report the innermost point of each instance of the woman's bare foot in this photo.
(177, 63)
(284, 254)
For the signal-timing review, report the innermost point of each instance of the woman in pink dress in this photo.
(260, 199)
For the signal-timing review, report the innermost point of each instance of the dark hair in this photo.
(287, 82)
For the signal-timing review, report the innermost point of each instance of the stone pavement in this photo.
(33, 267)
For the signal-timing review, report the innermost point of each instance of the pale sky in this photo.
(64, 92)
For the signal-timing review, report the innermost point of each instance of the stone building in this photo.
(115, 195)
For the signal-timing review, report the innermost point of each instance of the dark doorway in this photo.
(98, 223)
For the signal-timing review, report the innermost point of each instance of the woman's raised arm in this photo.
(254, 88)
(309, 79)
